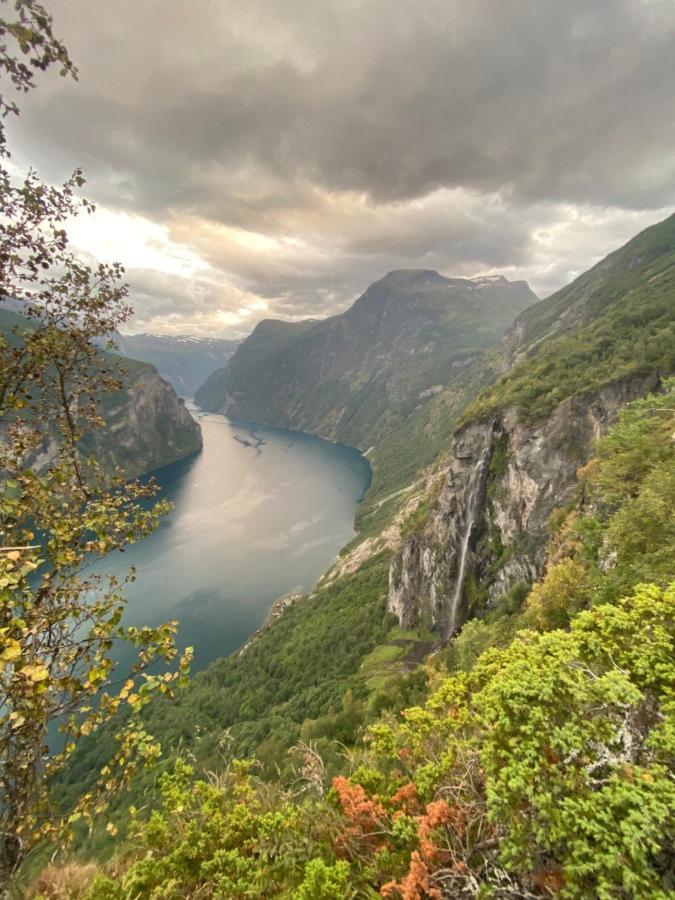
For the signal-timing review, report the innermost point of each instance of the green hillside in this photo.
(614, 321)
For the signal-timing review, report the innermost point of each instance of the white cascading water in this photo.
(472, 510)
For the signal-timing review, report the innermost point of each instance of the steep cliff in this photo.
(146, 424)
(488, 526)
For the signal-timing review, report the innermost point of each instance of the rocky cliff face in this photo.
(488, 525)
(569, 364)
(147, 426)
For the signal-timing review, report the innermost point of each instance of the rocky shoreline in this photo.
(279, 607)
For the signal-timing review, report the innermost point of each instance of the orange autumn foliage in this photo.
(415, 886)
(437, 813)
(365, 814)
(406, 797)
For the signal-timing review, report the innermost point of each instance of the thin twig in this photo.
(25, 547)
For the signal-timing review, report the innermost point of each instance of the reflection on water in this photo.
(258, 513)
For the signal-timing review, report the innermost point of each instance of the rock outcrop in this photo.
(489, 524)
(147, 426)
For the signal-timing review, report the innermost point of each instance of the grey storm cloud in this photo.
(433, 132)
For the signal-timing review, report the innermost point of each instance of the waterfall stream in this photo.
(474, 491)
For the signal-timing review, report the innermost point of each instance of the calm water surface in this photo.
(249, 524)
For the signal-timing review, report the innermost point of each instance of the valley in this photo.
(182, 360)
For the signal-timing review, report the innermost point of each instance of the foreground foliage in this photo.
(544, 770)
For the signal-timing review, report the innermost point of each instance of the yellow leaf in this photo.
(35, 673)
(11, 652)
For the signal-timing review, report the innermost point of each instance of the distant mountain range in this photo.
(185, 362)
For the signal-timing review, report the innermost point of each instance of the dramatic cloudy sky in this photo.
(255, 158)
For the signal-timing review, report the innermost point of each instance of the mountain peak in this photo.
(482, 280)
(399, 279)
(404, 280)
(411, 331)
(411, 276)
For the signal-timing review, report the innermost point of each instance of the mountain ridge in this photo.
(343, 376)
(572, 362)
(613, 321)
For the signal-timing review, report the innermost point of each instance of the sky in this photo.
(272, 158)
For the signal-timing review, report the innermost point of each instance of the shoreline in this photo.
(279, 607)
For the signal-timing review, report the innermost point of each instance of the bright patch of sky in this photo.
(256, 159)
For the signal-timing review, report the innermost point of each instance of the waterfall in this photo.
(473, 505)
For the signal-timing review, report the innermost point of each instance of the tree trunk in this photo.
(10, 857)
